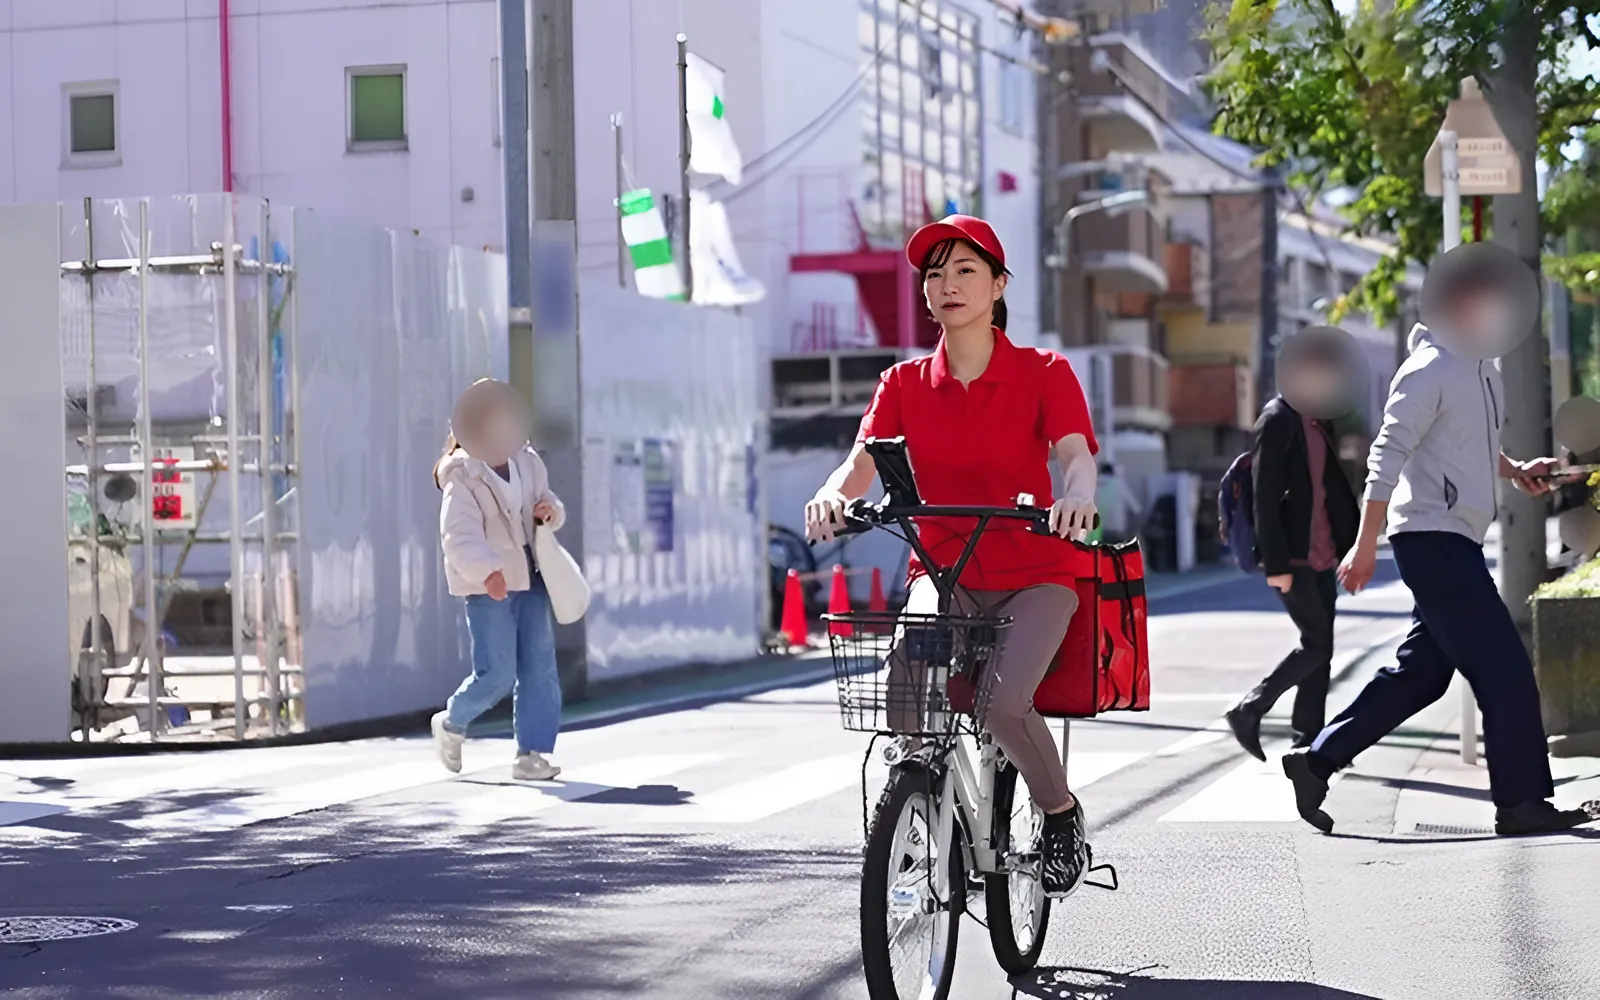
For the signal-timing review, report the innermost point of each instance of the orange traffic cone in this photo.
(794, 610)
(839, 603)
(877, 603)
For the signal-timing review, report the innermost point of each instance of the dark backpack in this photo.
(1236, 512)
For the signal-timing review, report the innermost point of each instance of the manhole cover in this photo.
(30, 930)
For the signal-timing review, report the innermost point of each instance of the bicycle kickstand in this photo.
(1110, 870)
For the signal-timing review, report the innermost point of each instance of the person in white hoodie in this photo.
(492, 502)
(1432, 478)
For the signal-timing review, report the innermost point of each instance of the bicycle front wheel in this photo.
(909, 927)
(1018, 909)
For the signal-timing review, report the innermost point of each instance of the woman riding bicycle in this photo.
(981, 418)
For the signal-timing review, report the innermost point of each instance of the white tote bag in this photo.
(563, 578)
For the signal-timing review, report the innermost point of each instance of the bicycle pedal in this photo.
(1111, 870)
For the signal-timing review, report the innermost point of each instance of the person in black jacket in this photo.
(1306, 518)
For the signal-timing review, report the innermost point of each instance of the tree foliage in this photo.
(1355, 101)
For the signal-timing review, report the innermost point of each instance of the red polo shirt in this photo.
(984, 444)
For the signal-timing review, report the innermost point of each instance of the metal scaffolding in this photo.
(261, 590)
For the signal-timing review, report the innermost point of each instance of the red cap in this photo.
(954, 227)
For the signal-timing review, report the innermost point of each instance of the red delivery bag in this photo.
(1103, 664)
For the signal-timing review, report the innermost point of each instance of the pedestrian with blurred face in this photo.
(1305, 521)
(1432, 477)
(496, 492)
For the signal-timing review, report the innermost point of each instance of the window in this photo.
(89, 125)
(1013, 87)
(377, 113)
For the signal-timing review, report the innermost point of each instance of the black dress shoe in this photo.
(1309, 790)
(1246, 726)
(1538, 817)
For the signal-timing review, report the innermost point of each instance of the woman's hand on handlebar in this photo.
(825, 515)
(1072, 517)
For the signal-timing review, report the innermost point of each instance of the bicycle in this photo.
(944, 828)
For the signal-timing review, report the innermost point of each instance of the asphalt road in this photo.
(715, 852)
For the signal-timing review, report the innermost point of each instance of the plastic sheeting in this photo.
(673, 439)
(391, 329)
(348, 349)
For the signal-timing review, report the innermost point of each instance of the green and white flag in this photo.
(711, 146)
(655, 272)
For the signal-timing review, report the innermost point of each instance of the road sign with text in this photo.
(1488, 163)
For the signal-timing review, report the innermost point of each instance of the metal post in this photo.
(230, 271)
(1477, 218)
(683, 163)
(1451, 178)
(1066, 742)
(266, 461)
(292, 451)
(152, 545)
(514, 150)
(622, 243)
(92, 444)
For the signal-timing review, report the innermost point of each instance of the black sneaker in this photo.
(1066, 852)
(1538, 817)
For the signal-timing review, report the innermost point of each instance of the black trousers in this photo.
(1309, 665)
(1459, 623)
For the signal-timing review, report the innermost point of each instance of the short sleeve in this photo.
(883, 418)
(1063, 410)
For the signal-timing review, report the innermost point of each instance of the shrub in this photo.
(1580, 581)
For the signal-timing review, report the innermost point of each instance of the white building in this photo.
(390, 114)
(857, 120)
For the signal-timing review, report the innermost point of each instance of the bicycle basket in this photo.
(896, 673)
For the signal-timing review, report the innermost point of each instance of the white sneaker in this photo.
(533, 767)
(447, 743)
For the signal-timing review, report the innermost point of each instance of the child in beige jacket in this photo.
(486, 528)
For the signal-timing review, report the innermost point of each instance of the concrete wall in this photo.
(34, 659)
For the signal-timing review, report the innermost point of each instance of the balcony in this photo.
(1188, 268)
(837, 383)
(1121, 99)
(1212, 395)
(1122, 251)
(1127, 387)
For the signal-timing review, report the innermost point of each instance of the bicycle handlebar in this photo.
(861, 516)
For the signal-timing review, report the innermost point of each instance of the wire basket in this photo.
(910, 675)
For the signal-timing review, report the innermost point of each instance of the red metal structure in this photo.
(887, 285)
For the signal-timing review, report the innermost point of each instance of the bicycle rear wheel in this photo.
(909, 930)
(1018, 909)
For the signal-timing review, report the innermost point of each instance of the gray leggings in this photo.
(1026, 648)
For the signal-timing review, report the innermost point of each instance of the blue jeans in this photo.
(513, 648)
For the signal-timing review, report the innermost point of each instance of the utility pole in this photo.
(1266, 377)
(1512, 95)
(514, 147)
(556, 395)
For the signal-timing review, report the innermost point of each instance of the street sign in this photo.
(1488, 164)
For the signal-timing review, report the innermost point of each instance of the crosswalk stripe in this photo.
(295, 799)
(514, 801)
(1086, 768)
(1253, 792)
(222, 770)
(1195, 741)
(26, 812)
(770, 794)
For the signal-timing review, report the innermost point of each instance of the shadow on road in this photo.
(394, 904)
(1093, 984)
